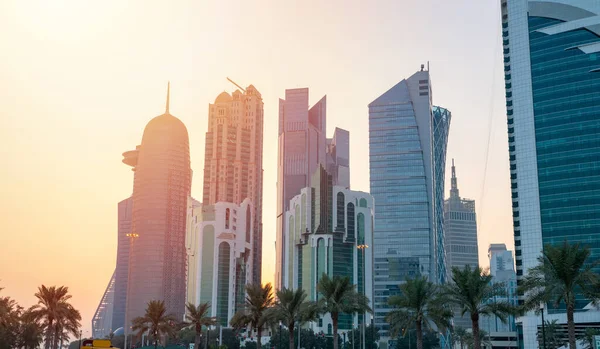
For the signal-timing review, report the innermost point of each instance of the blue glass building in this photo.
(407, 152)
(552, 76)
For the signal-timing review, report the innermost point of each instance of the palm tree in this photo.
(418, 305)
(588, 337)
(197, 317)
(256, 309)
(31, 331)
(155, 321)
(483, 339)
(339, 296)
(473, 292)
(563, 272)
(56, 313)
(291, 308)
(460, 335)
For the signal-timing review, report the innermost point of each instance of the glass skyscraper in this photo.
(552, 77)
(161, 187)
(407, 151)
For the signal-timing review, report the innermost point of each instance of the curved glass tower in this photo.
(552, 75)
(407, 152)
(162, 181)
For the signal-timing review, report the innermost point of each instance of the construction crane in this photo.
(238, 86)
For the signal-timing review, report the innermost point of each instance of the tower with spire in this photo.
(460, 230)
(161, 188)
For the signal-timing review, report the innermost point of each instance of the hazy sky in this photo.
(79, 80)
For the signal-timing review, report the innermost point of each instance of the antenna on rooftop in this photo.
(238, 86)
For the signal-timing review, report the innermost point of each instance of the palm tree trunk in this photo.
(419, 327)
(48, 335)
(57, 333)
(334, 320)
(291, 330)
(197, 341)
(475, 324)
(258, 335)
(571, 326)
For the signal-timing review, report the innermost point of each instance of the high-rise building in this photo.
(503, 271)
(122, 268)
(330, 231)
(194, 216)
(233, 158)
(224, 251)
(162, 181)
(460, 235)
(552, 79)
(110, 314)
(303, 148)
(407, 151)
(460, 229)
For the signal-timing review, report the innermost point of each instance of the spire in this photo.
(168, 94)
(453, 182)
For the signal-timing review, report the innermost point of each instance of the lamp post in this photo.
(363, 247)
(543, 325)
(280, 335)
(80, 332)
(372, 332)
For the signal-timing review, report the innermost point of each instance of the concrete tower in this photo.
(233, 158)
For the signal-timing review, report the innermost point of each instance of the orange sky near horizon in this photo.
(80, 80)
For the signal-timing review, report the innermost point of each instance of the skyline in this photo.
(52, 198)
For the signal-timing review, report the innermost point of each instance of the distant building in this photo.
(303, 148)
(552, 80)
(194, 216)
(460, 229)
(329, 230)
(407, 154)
(460, 236)
(224, 263)
(162, 182)
(503, 271)
(233, 158)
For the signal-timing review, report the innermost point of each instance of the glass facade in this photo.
(552, 79)
(223, 283)
(566, 104)
(162, 183)
(407, 143)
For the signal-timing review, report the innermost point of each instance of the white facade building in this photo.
(224, 257)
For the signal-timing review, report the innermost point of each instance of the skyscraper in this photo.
(407, 152)
(233, 158)
(303, 148)
(460, 237)
(328, 229)
(162, 181)
(552, 79)
(116, 292)
(460, 229)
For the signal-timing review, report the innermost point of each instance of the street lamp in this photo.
(362, 247)
(280, 335)
(543, 325)
(80, 332)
